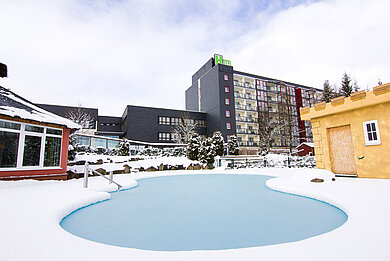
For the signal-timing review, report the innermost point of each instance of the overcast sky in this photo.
(109, 53)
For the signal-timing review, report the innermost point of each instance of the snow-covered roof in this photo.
(13, 105)
(310, 144)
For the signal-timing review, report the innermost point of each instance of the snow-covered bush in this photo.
(84, 148)
(101, 150)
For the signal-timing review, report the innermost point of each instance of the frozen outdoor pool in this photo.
(202, 212)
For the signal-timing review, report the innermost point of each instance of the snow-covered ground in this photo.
(32, 210)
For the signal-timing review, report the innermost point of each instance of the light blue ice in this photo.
(203, 212)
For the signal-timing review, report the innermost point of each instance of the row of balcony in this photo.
(245, 107)
(247, 131)
(248, 144)
(247, 119)
(244, 96)
(244, 85)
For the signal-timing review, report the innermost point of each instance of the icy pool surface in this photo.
(202, 212)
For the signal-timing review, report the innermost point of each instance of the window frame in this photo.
(227, 101)
(226, 77)
(164, 136)
(227, 89)
(22, 137)
(369, 142)
(228, 114)
(228, 125)
(164, 120)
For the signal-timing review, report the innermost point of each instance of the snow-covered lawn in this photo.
(32, 210)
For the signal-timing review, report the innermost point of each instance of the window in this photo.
(25, 145)
(227, 101)
(228, 126)
(32, 150)
(200, 123)
(9, 143)
(175, 121)
(227, 113)
(165, 136)
(226, 77)
(371, 132)
(227, 89)
(163, 120)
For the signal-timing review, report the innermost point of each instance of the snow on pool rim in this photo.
(267, 187)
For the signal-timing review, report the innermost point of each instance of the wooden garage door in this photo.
(342, 158)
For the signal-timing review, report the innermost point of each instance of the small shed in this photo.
(305, 148)
(352, 134)
(33, 142)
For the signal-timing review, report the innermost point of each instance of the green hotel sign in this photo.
(219, 59)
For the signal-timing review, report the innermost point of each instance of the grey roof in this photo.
(16, 106)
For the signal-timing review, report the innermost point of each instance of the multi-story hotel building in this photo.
(220, 98)
(248, 105)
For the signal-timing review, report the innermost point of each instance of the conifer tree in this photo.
(328, 92)
(356, 87)
(193, 146)
(124, 148)
(233, 146)
(346, 87)
(207, 151)
(72, 148)
(218, 143)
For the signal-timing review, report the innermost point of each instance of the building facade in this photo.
(250, 106)
(351, 134)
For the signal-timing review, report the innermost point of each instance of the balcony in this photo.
(277, 100)
(246, 131)
(250, 97)
(245, 107)
(247, 119)
(250, 119)
(244, 85)
(249, 144)
(239, 95)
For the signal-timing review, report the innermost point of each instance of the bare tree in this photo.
(270, 127)
(184, 129)
(80, 116)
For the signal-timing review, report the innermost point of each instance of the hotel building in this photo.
(219, 98)
(247, 105)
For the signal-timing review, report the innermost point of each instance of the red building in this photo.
(33, 142)
(306, 148)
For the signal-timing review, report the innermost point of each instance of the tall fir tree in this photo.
(193, 146)
(218, 143)
(355, 86)
(207, 151)
(328, 92)
(346, 86)
(233, 146)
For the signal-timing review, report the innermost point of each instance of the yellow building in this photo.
(352, 135)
